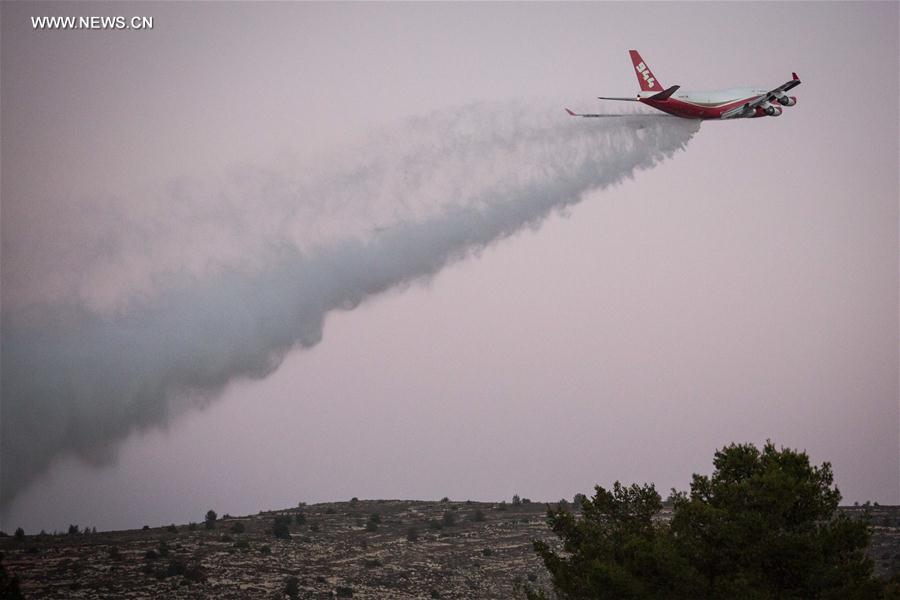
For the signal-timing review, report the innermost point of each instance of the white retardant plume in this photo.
(219, 286)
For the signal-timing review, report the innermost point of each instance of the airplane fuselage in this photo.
(707, 105)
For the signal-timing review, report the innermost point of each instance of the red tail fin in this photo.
(646, 79)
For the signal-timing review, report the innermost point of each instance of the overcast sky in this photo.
(742, 289)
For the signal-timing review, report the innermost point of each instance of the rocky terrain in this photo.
(359, 549)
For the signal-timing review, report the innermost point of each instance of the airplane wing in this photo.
(575, 114)
(748, 107)
(640, 115)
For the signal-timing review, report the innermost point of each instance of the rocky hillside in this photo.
(357, 549)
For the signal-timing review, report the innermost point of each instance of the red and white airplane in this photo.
(735, 103)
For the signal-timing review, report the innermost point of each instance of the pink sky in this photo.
(745, 289)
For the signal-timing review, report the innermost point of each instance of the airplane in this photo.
(735, 103)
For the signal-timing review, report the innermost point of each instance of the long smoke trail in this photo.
(79, 375)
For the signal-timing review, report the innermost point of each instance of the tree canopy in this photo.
(764, 525)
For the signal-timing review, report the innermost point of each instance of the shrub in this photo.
(291, 587)
(478, 515)
(176, 566)
(114, 554)
(242, 544)
(344, 592)
(74, 530)
(434, 594)
(516, 501)
(9, 585)
(487, 552)
(354, 500)
(445, 500)
(373, 522)
(163, 548)
(412, 534)
(501, 506)
(151, 554)
(172, 529)
(300, 517)
(281, 527)
(330, 511)
(210, 520)
(265, 549)
(448, 520)
(192, 526)
(434, 524)
(194, 572)
(144, 528)
(19, 534)
(371, 563)
(238, 527)
(179, 566)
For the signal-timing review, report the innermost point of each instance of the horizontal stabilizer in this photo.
(664, 94)
(625, 99)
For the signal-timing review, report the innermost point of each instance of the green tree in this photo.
(616, 549)
(210, 520)
(764, 525)
(767, 524)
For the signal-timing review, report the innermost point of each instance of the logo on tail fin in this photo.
(645, 73)
(645, 76)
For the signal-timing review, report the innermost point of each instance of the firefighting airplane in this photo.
(735, 103)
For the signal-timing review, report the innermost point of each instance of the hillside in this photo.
(410, 549)
(336, 552)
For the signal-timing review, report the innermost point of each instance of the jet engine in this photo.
(773, 111)
(787, 100)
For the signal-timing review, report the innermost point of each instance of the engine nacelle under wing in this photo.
(768, 110)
